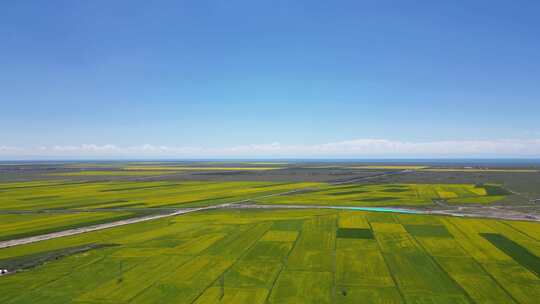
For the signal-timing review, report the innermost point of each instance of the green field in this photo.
(435, 169)
(391, 195)
(74, 195)
(388, 167)
(286, 256)
(208, 168)
(150, 169)
(112, 173)
(479, 170)
(262, 255)
(139, 194)
(13, 226)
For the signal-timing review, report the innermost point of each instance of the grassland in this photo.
(391, 195)
(286, 256)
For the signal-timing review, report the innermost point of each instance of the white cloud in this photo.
(358, 148)
(7, 149)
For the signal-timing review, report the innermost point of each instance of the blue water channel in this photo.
(379, 209)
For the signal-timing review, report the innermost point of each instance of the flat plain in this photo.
(287, 256)
(281, 241)
(391, 195)
(132, 194)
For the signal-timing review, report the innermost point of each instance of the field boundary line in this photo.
(398, 288)
(80, 230)
(521, 232)
(465, 236)
(235, 261)
(334, 264)
(156, 281)
(191, 258)
(432, 258)
(233, 204)
(284, 263)
(35, 288)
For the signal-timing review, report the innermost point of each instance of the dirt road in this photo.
(53, 235)
(485, 212)
(74, 231)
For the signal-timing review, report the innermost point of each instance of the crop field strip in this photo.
(502, 269)
(129, 199)
(392, 195)
(422, 168)
(514, 250)
(388, 167)
(186, 168)
(15, 226)
(111, 173)
(105, 202)
(154, 170)
(478, 170)
(209, 293)
(284, 256)
(437, 233)
(97, 195)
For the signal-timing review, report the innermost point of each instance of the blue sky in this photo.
(217, 75)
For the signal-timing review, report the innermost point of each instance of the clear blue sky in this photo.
(228, 73)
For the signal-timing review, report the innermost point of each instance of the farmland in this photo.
(112, 173)
(160, 194)
(278, 233)
(389, 167)
(392, 195)
(127, 194)
(289, 256)
(154, 170)
(159, 168)
(186, 168)
(14, 226)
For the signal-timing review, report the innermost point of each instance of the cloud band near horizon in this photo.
(358, 148)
